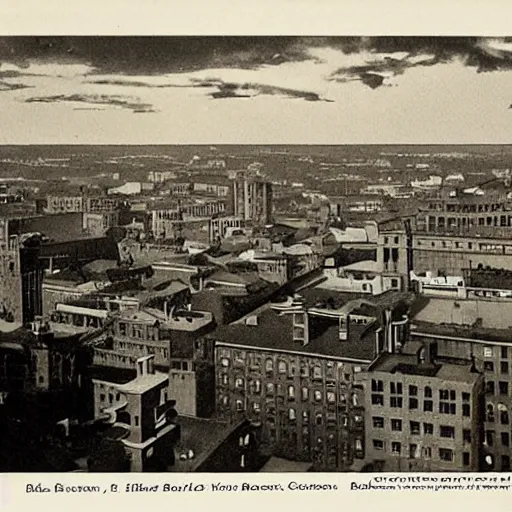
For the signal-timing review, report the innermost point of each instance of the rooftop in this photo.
(407, 364)
(274, 331)
(143, 383)
(203, 437)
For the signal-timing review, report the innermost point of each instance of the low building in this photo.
(142, 413)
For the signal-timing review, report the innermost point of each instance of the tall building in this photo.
(252, 200)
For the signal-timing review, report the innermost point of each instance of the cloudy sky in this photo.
(212, 90)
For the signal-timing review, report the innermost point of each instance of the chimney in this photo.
(145, 366)
(427, 354)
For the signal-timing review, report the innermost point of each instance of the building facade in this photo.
(252, 200)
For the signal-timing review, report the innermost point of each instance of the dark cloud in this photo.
(93, 99)
(6, 86)
(243, 90)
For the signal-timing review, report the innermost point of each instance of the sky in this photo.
(255, 90)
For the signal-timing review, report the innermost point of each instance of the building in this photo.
(422, 413)
(219, 225)
(294, 372)
(252, 200)
(97, 224)
(141, 412)
(477, 327)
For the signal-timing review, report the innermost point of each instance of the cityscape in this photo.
(251, 307)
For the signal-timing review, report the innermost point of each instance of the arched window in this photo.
(282, 367)
(269, 365)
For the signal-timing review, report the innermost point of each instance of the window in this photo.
(488, 366)
(377, 399)
(428, 428)
(427, 452)
(239, 383)
(413, 403)
(488, 352)
(504, 352)
(447, 401)
(466, 435)
(489, 413)
(256, 407)
(317, 373)
(466, 458)
(102, 397)
(269, 365)
(446, 455)
(503, 385)
(396, 448)
(466, 397)
(377, 386)
(257, 387)
(504, 367)
(396, 425)
(291, 392)
(489, 387)
(318, 418)
(291, 414)
(415, 427)
(136, 418)
(378, 422)
(110, 398)
(305, 394)
(413, 390)
(428, 405)
(395, 401)
(331, 397)
(396, 240)
(505, 439)
(489, 438)
(269, 388)
(505, 463)
(446, 431)
(281, 367)
(224, 362)
(504, 420)
(305, 417)
(318, 396)
(378, 444)
(239, 405)
(395, 388)
(428, 392)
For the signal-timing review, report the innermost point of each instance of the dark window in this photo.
(504, 352)
(488, 366)
(504, 367)
(396, 448)
(413, 390)
(428, 428)
(396, 425)
(466, 458)
(466, 410)
(428, 392)
(395, 401)
(378, 422)
(505, 439)
(428, 406)
(377, 386)
(413, 403)
(446, 455)
(505, 463)
(446, 431)
(466, 397)
(378, 399)
(466, 435)
(415, 427)
(503, 388)
(489, 387)
(504, 417)
(378, 444)
(136, 421)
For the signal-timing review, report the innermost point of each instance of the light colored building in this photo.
(140, 410)
(422, 413)
(65, 204)
(252, 200)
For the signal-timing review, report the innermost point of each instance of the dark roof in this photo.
(461, 331)
(110, 374)
(274, 331)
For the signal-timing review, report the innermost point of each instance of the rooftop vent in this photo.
(252, 320)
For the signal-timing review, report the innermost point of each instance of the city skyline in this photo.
(255, 90)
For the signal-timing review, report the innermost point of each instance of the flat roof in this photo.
(407, 364)
(203, 437)
(143, 383)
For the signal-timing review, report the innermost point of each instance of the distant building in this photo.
(252, 200)
(65, 204)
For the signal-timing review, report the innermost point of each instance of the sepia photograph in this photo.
(234, 254)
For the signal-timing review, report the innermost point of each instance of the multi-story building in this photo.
(295, 372)
(422, 413)
(142, 410)
(97, 224)
(477, 327)
(101, 204)
(219, 225)
(21, 278)
(252, 200)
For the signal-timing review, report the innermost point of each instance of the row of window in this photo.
(491, 388)
(489, 366)
(445, 407)
(415, 428)
(415, 451)
(396, 388)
